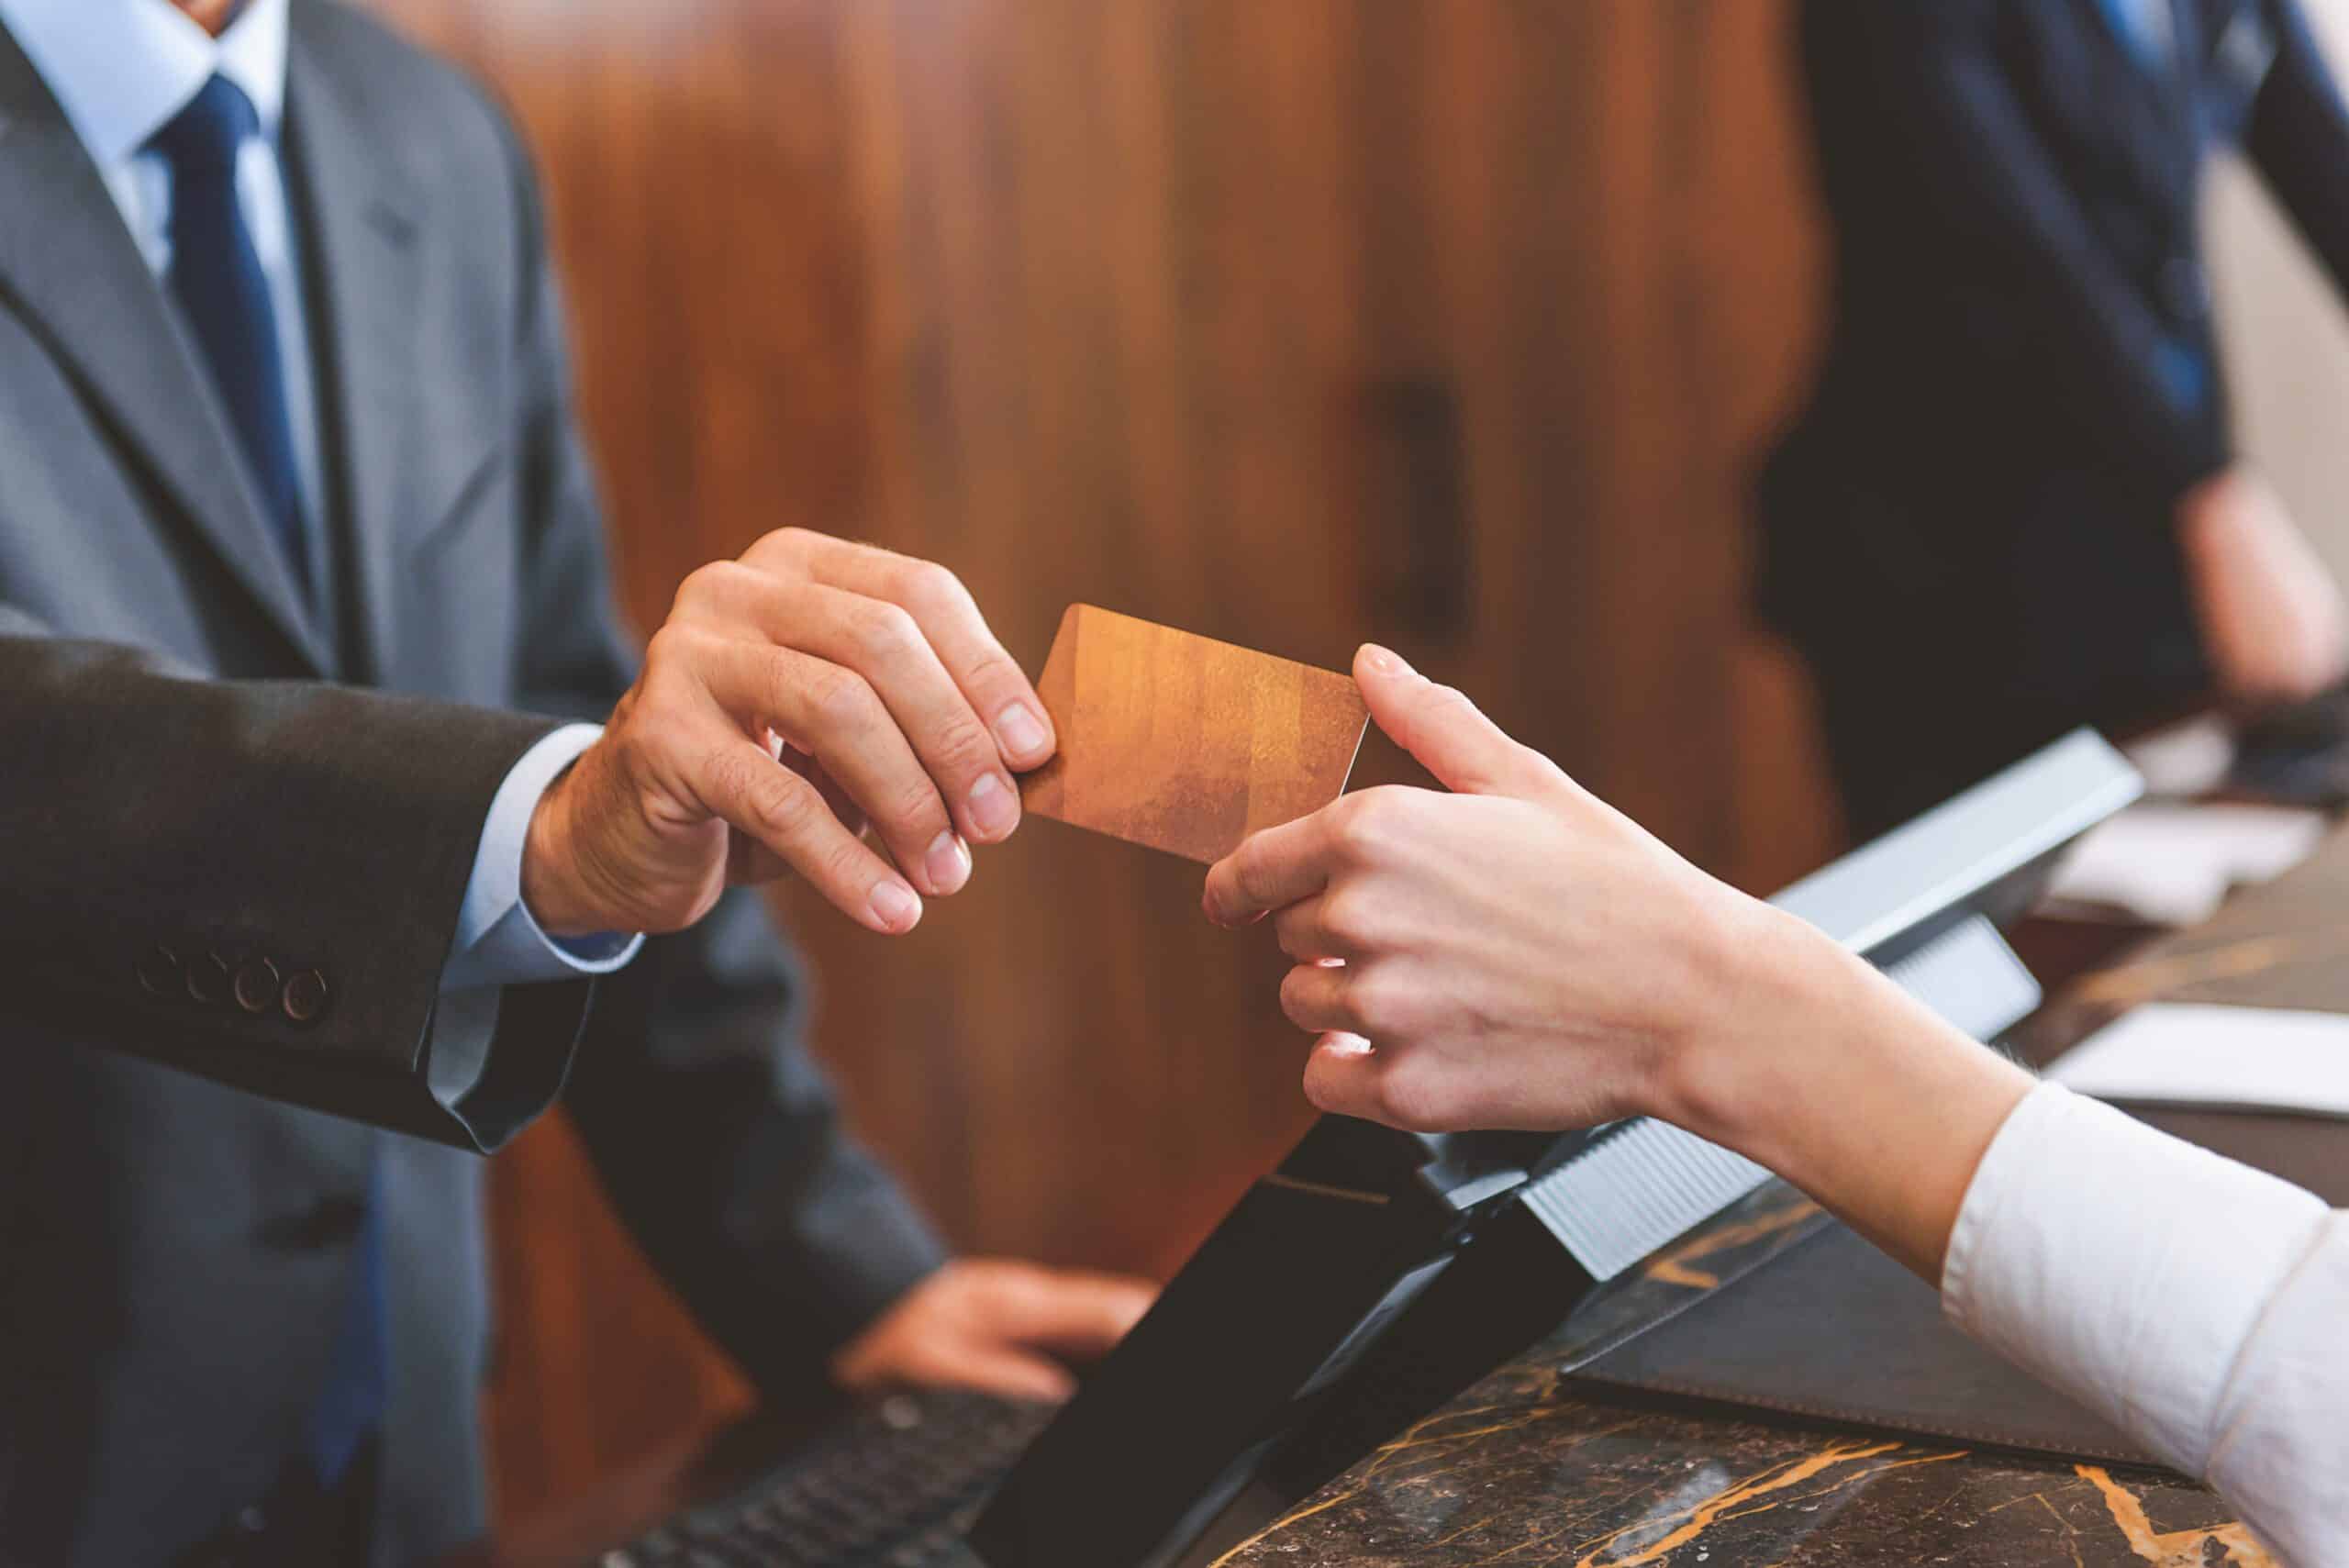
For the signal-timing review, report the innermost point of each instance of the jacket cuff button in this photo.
(159, 971)
(305, 996)
(207, 978)
(257, 985)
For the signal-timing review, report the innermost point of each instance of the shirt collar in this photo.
(121, 68)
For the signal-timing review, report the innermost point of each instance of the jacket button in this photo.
(305, 996)
(159, 971)
(207, 978)
(257, 985)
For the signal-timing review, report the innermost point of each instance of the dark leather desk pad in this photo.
(1832, 1329)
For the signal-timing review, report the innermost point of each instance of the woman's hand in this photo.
(1517, 955)
(1522, 954)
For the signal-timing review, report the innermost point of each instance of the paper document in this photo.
(2174, 865)
(2218, 1058)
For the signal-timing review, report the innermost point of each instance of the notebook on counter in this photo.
(1834, 1331)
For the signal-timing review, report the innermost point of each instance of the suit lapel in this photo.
(364, 218)
(75, 273)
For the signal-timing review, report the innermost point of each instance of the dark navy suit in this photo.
(1968, 530)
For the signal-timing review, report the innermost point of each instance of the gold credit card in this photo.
(1184, 743)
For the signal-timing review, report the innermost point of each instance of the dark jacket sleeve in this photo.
(259, 882)
(1942, 92)
(714, 1133)
(2299, 138)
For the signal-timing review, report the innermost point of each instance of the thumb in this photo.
(1467, 753)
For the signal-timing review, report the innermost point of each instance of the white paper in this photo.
(2174, 865)
(2187, 759)
(2248, 1058)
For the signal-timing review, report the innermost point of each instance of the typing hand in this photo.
(2270, 614)
(1004, 1327)
(794, 697)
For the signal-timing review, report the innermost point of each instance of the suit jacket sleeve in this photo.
(1944, 93)
(715, 1134)
(2299, 138)
(259, 882)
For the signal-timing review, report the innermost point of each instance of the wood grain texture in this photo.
(1183, 743)
(1450, 324)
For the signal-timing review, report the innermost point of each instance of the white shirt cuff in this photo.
(2126, 1267)
(498, 943)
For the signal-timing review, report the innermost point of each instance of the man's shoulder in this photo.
(433, 111)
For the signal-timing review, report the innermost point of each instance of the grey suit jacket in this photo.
(234, 834)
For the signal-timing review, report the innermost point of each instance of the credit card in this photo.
(1183, 743)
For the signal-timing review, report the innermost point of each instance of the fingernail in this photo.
(1384, 660)
(895, 906)
(994, 810)
(948, 861)
(1020, 733)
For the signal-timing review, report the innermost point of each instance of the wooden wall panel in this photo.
(1451, 322)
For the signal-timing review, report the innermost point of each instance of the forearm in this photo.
(256, 881)
(1828, 1073)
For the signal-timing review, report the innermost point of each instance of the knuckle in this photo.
(1387, 1007)
(786, 803)
(993, 668)
(916, 812)
(666, 650)
(931, 586)
(1252, 869)
(725, 777)
(692, 594)
(844, 864)
(1413, 1098)
(1451, 698)
(1350, 917)
(961, 747)
(837, 698)
(1372, 822)
(886, 632)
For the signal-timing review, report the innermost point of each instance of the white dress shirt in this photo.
(2197, 1305)
(121, 69)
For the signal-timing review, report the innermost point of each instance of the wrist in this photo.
(1777, 978)
(553, 888)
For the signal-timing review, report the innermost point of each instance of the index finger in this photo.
(1274, 869)
(988, 677)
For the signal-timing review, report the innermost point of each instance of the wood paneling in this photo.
(1293, 322)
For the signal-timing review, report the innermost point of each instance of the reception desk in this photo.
(1534, 1466)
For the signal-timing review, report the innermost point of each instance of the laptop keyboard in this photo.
(895, 1487)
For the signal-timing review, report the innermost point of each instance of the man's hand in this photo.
(794, 697)
(2270, 614)
(1004, 1328)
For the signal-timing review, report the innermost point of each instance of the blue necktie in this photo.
(2147, 26)
(224, 294)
